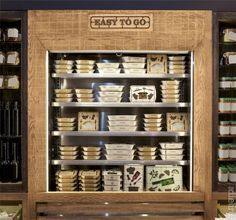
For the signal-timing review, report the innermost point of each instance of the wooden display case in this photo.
(70, 30)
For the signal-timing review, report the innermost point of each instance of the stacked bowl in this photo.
(134, 65)
(63, 66)
(122, 123)
(110, 93)
(84, 66)
(119, 151)
(170, 91)
(68, 152)
(66, 180)
(172, 151)
(84, 95)
(153, 122)
(177, 64)
(91, 153)
(63, 95)
(66, 124)
(108, 68)
(147, 152)
(90, 180)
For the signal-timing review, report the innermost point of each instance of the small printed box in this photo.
(142, 93)
(88, 121)
(156, 63)
(178, 122)
(164, 178)
(133, 177)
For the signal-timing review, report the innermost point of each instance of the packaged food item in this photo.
(112, 180)
(133, 177)
(119, 157)
(109, 99)
(176, 58)
(232, 172)
(223, 151)
(122, 128)
(88, 121)
(223, 174)
(109, 70)
(12, 34)
(64, 71)
(134, 71)
(2, 58)
(119, 146)
(142, 93)
(177, 122)
(85, 62)
(229, 58)
(224, 128)
(171, 157)
(156, 63)
(91, 153)
(229, 35)
(63, 99)
(147, 157)
(153, 128)
(131, 59)
(153, 116)
(2, 82)
(90, 180)
(122, 117)
(13, 58)
(66, 120)
(66, 180)
(164, 178)
(171, 145)
(64, 62)
(108, 65)
(133, 65)
(63, 91)
(12, 82)
(224, 104)
(111, 88)
(147, 148)
(232, 150)
(171, 151)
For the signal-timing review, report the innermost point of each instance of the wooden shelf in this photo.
(227, 159)
(12, 196)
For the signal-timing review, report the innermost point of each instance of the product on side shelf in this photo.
(112, 180)
(146, 152)
(133, 177)
(119, 151)
(177, 122)
(90, 180)
(142, 93)
(91, 152)
(13, 58)
(223, 174)
(68, 152)
(84, 95)
(12, 34)
(88, 121)
(157, 63)
(223, 151)
(65, 124)
(170, 91)
(152, 122)
(229, 35)
(67, 180)
(229, 58)
(164, 178)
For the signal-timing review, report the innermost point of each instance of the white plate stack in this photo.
(153, 122)
(119, 151)
(91, 153)
(63, 66)
(170, 91)
(84, 95)
(108, 68)
(66, 180)
(84, 66)
(63, 95)
(110, 93)
(147, 152)
(134, 65)
(68, 152)
(112, 180)
(177, 64)
(171, 151)
(90, 180)
(122, 123)
(65, 124)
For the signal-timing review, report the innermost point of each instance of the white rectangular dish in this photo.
(130, 59)
(92, 153)
(63, 91)
(153, 128)
(63, 66)
(170, 87)
(176, 62)
(119, 146)
(176, 67)
(111, 173)
(120, 152)
(84, 95)
(153, 124)
(111, 88)
(63, 99)
(142, 93)
(108, 65)
(122, 128)
(91, 148)
(152, 120)
(84, 67)
(170, 91)
(122, 123)
(85, 62)
(172, 151)
(109, 99)
(170, 96)
(65, 120)
(91, 157)
(170, 82)
(65, 128)
(171, 145)
(134, 71)
(133, 65)
(68, 148)
(169, 100)
(65, 124)
(109, 70)
(122, 117)
(69, 153)
(83, 91)
(176, 58)
(63, 95)
(63, 71)
(119, 157)
(177, 71)
(110, 94)
(171, 157)
(153, 116)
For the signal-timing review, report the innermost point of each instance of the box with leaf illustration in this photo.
(88, 121)
(164, 178)
(178, 122)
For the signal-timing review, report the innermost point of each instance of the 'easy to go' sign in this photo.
(121, 22)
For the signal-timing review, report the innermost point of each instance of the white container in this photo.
(224, 106)
(65, 120)
(170, 82)
(147, 157)
(176, 67)
(85, 62)
(146, 120)
(233, 84)
(63, 99)
(173, 145)
(63, 91)
(171, 157)
(122, 128)
(62, 62)
(63, 124)
(223, 152)
(232, 152)
(68, 148)
(111, 173)
(172, 151)
(170, 90)
(225, 84)
(147, 149)
(83, 91)
(84, 71)
(109, 70)
(63, 71)
(233, 129)
(68, 153)
(177, 71)
(62, 95)
(116, 182)
(129, 59)
(112, 94)
(92, 153)
(224, 129)
(108, 65)
(81, 95)
(85, 99)
(119, 146)
(175, 58)
(155, 124)
(170, 100)
(133, 65)
(146, 153)
(153, 116)
(232, 177)
(122, 117)
(170, 96)
(153, 128)
(84, 67)
(122, 123)
(111, 88)
(119, 157)
(122, 152)
(91, 157)
(111, 188)
(135, 71)
(109, 99)
(63, 66)
(68, 157)
(91, 148)
(65, 128)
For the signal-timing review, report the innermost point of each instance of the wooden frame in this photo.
(68, 30)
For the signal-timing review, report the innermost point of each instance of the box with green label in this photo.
(164, 178)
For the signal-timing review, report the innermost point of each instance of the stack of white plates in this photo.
(177, 64)
(108, 68)
(84, 66)
(110, 93)
(90, 180)
(63, 66)
(84, 95)
(170, 91)
(134, 65)
(119, 151)
(65, 124)
(171, 151)
(153, 122)
(122, 122)
(147, 152)
(66, 180)
(91, 153)
(68, 152)
(63, 95)
(112, 180)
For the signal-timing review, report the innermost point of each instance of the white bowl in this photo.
(111, 88)
(133, 65)
(171, 145)
(108, 65)
(172, 151)
(119, 146)
(153, 116)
